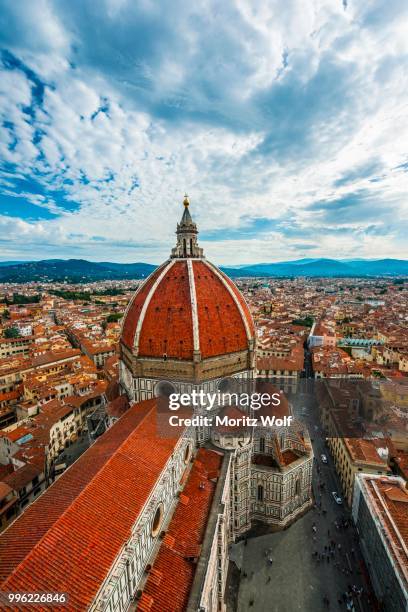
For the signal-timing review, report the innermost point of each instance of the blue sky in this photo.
(286, 122)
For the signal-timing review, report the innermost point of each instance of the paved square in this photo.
(296, 580)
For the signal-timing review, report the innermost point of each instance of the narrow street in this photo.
(74, 451)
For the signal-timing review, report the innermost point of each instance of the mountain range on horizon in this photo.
(81, 270)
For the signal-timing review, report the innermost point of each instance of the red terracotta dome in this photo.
(187, 307)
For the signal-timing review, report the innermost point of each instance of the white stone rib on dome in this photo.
(194, 311)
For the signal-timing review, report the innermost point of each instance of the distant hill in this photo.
(129, 269)
(72, 270)
(10, 263)
(81, 270)
(325, 268)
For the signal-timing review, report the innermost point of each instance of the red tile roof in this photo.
(134, 309)
(281, 410)
(390, 501)
(289, 456)
(221, 326)
(167, 326)
(118, 406)
(68, 539)
(293, 363)
(365, 451)
(10, 395)
(22, 476)
(168, 586)
(5, 489)
(242, 301)
(5, 470)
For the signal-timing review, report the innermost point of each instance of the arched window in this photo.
(191, 246)
(297, 487)
(260, 493)
(187, 453)
(184, 248)
(261, 445)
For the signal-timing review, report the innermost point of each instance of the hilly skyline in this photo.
(78, 270)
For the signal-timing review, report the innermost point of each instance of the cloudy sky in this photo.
(284, 120)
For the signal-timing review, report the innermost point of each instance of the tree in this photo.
(19, 298)
(11, 332)
(305, 322)
(115, 316)
(72, 295)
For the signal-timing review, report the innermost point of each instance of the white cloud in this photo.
(257, 110)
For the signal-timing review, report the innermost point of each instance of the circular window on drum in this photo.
(157, 520)
(164, 389)
(226, 385)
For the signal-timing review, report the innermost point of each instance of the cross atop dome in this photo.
(187, 232)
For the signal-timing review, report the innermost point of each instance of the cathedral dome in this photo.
(187, 309)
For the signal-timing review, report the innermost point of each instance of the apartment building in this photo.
(380, 513)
